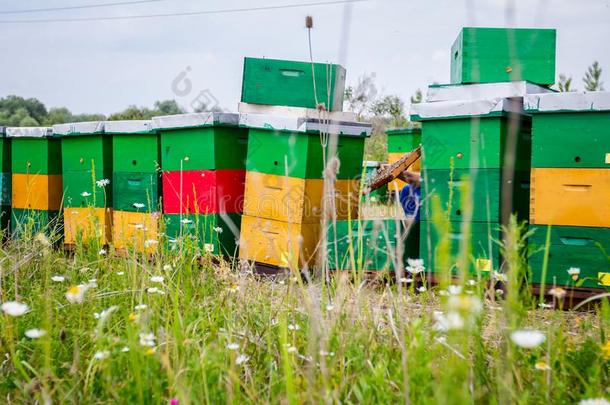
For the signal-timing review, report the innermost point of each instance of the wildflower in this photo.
(293, 326)
(451, 321)
(120, 273)
(242, 358)
(42, 239)
(218, 229)
(500, 277)
(85, 194)
(167, 267)
(324, 353)
(92, 283)
(35, 333)
(471, 282)
(186, 221)
(594, 401)
(557, 292)
(125, 349)
(140, 307)
(499, 291)
(154, 290)
(138, 205)
(102, 252)
(330, 307)
(173, 401)
(14, 308)
(232, 346)
(415, 266)
(147, 339)
(541, 365)
(606, 350)
(156, 279)
(464, 303)
(76, 293)
(527, 339)
(58, 279)
(234, 288)
(150, 242)
(293, 349)
(133, 317)
(422, 289)
(208, 247)
(405, 280)
(545, 306)
(574, 272)
(102, 183)
(84, 270)
(101, 355)
(105, 313)
(454, 289)
(151, 351)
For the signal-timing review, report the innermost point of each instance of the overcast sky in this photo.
(104, 66)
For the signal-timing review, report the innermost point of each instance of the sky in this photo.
(105, 66)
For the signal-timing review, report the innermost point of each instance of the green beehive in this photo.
(221, 144)
(403, 140)
(135, 165)
(373, 244)
(215, 233)
(86, 159)
(290, 83)
(379, 195)
(482, 253)
(570, 130)
(570, 247)
(486, 55)
(5, 179)
(485, 186)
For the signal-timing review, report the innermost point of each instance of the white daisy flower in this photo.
(186, 221)
(232, 346)
(293, 326)
(156, 279)
(125, 349)
(35, 333)
(105, 313)
(138, 205)
(14, 308)
(454, 289)
(167, 267)
(154, 290)
(140, 307)
(102, 252)
(415, 266)
(147, 339)
(101, 355)
(573, 271)
(58, 279)
(422, 289)
(120, 273)
(527, 338)
(102, 183)
(242, 358)
(471, 282)
(500, 276)
(594, 401)
(406, 280)
(85, 194)
(76, 293)
(218, 229)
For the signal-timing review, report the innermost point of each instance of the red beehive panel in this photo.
(203, 191)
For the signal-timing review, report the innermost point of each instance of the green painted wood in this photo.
(379, 195)
(479, 143)
(135, 153)
(269, 150)
(131, 189)
(481, 240)
(403, 140)
(36, 155)
(209, 148)
(202, 229)
(6, 181)
(82, 153)
(374, 243)
(5, 155)
(485, 192)
(576, 140)
(78, 183)
(585, 248)
(31, 222)
(486, 55)
(290, 83)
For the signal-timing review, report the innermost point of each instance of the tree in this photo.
(417, 97)
(167, 107)
(592, 78)
(390, 107)
(360, 98)
(565, 83)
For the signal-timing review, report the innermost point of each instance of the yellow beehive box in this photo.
(577, 197)
(300, 201)
(37, 191)
(135, 230)
(397, 185)
(278, 243)
(87, 223)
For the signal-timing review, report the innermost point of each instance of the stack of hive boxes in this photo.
(135, 185)
(203, 160)
(5, 179)
(86, 155)
(401, 141)
(477, 143)
(570, 188)
(284, 194)
(36, 180)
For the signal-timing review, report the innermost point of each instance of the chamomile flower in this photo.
(35, 333)
(76, 293)
(105, 313)
(147, 339)
(422, 289)
(232, 346)
(85, 194)
(102, 183)
(156, 279)
(101, 355)
(218, 229)
(293, 326)
(140, 307)
(542, 366)
(138, 205)
(242, 358)
(527, 338)
(415, 266)
(102, 252)
(58, 279)
(574, 272)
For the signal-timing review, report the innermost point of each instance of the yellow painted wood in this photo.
(135, 230)
(88, 223)
(578, 197)
(295, 200)
(278, 243)
(37, 191)
(604, 279)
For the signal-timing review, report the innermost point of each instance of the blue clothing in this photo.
(409, 198)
